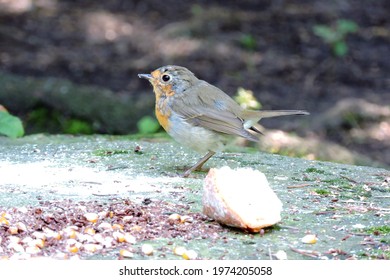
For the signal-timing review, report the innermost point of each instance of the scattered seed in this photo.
(127, 219)
(180, 250)
(126, 253)
(91, 217)
(281, 255)
(33, 250)
(358, 226)
(309, 239)
(105, 226)
(129, 238)
(136, 228)
(118, 236)
(13, 239)
(16, 247)
(72, 234)
(13, 230)
(84, 238)
(108, 241)
(190, 255)
(174, 216)
(39, 235)
(25, 240)
(102, 214)
(67, 233)
(186, 219)
(90, 247)
(21, 226)
(98, 238)
(4, 217)
(56, 235)
(72, 249)
(89, 231)
(37, 243)
(117, 226)
(147, 249)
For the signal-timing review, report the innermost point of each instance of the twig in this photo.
(357, 233)
(109, 194)
(349, 179)
(109, 168)
(289, 227)
(381, 196)
(91, 182)
(307, 253)
(324, 212)
(299, 186)
(354, 201)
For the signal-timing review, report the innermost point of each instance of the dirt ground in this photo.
(265, 46)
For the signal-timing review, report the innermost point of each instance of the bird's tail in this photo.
(251, 117)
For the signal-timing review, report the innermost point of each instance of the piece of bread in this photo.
(240, 198)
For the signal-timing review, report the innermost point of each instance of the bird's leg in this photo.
(199, 164)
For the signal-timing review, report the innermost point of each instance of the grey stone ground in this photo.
(347, 207)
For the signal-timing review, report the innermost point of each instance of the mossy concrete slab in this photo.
(347, 207)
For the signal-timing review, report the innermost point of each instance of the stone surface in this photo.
(347, 207)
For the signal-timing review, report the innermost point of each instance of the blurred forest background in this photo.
(71, 66)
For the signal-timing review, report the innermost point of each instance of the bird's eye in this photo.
(166, 78)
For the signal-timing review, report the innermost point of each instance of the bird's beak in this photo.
(145, 76)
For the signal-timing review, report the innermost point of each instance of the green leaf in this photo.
(74, 126)
(246, 99)
(326, 33)
(346, 26)
(197, 10)
(340, 48)
(10, 126)
(248, 42)
(148, 125)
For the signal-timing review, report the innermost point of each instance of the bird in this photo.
(201, 116)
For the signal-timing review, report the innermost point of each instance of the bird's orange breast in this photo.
(163, 118)
(163, 93)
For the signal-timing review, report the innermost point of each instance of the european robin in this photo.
(201, 116)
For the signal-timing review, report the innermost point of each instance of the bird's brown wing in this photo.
(209, 112)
